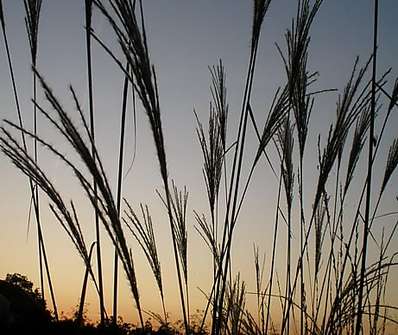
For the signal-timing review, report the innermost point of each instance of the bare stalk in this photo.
(119, 188)
(369, 177)
(88, 12)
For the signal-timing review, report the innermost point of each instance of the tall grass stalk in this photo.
(104, 201)
(347, 114)
(259, 270)
(359, 137)
(274, 245)
(32, 29)
(119, 186)
(259, 11)
(214, 149)
(179, 203)
(88, 17)
(297, 39)
(67, 218)
(369, 177)
(235, 306)
(32, 12)
(79, 316)
(142, 231)
(133, 42)
(284, 144)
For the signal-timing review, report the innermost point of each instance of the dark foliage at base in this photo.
(23, 311)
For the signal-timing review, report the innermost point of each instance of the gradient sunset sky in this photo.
(185, 37)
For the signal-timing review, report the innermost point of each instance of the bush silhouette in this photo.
(27, 310)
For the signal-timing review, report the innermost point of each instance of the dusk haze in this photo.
(199, 167)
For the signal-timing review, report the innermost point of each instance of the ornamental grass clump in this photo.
(330, 284)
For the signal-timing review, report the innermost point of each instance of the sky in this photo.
(185, 37)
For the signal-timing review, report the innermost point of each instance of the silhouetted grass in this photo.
(329, 286)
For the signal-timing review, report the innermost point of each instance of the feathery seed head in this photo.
(392, 162)
(32, 10)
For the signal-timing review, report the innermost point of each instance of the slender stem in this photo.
(273, 254)
(233, 195)
(301, 245)
(39, 245)
(35, 187)
(357, 212)
(173, 236)
(79, 317)
(88, 11)
(14, 86)
(119, 187)
(288, 261)
(52, 294)
(36, 201)
(369, 177)
(41, 248)
(187, 295)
